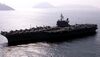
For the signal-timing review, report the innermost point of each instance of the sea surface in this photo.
(83, 47)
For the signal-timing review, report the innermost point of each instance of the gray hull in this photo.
(52, 34)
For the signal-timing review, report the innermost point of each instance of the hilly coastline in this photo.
(5, 7)
(47, 5)
(44, 5)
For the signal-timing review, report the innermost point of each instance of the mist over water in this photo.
(85, 47)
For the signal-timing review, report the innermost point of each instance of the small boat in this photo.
(63, 31)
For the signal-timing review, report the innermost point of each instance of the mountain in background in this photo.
(5, 7)
(44, 5)
(69, 7)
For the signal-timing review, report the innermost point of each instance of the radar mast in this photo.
(62, 17)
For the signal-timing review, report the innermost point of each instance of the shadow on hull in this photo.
(53, 39)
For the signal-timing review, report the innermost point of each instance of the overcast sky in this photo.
(30, 3)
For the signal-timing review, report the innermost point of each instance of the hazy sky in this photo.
(30, 3)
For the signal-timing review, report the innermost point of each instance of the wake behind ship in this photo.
(63, 31)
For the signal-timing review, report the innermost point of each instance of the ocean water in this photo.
(85, 47)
